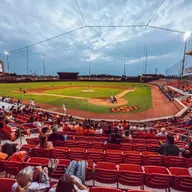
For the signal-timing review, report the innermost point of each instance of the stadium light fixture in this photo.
(187, 35)
(6, 52)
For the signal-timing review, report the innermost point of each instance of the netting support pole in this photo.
(183, 61)
(27, 61)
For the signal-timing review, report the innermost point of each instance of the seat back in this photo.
(12, 168)
(40, 152)
(95, 155)
(105, 189)
(132, 157)
(76, 153)
(6, 184)
(114, 156)
(175, 161)
(59, 153)
(126, 146)
(151, 159)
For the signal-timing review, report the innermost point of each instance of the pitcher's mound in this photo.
(88, 90)
(105, 102)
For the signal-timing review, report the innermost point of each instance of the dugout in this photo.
(68, 76)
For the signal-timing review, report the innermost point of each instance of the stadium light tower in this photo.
(7, 54)
(186, 37)
(43, 56)
(124, 70)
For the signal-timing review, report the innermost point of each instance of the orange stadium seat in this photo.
(105, 172)
(132, 157)
(59, 153)
(157, 177)
(95, 154)
(152, 159)
(76, 153)
(104, 189)
(114, 156)
(131, 175)
(6, 184)
(181, 179)
(174, 161)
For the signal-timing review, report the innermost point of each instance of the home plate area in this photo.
(124, 109)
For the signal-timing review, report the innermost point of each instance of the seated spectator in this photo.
(99, 130)
(73, 178)
(9, 149)
(150, 134)
(88, 130)
(127, 135)
(169, 148)
(43, 143)
(115, 138)
(187, 153)
(34, 178)
(55, 136)
(163, 132)
(109, 130)
(79, 129)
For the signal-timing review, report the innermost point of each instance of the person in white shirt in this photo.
(163, 132)
(64, 108)
(99, 130)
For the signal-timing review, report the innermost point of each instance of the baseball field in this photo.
(85, 96)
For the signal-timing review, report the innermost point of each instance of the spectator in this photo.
(115, 138)
(150, 134)
(43, 143)
(99, 130)
(55, 136)
(163, 132)
(79, 129)
(169, 148)
(187, 153)
(108, 131)
(73, 179)
(127, 135)
(9, 149)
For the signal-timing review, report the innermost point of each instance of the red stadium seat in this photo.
(153, 141)
(97, 145)
(153, 147)
(77, 138)
(6, 184)
(12, 168)
(71, 143)
(132, 157)
(102, 139)
(111, 146)
(83, 144)
(152, 159)
(40, 152)
(126, 146)
(105, 172)
(27, 147)
(76, 153)
(104, 189)
(32, 141)
(59, 153)
(37, 161)
(140, 147)
(95, 154)
(140, 141)
(181, 179)
(114, 156)
(174, 161)
(138, 191)
(157, 177)
(131, 175)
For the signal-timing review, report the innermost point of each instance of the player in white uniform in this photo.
(64, 108)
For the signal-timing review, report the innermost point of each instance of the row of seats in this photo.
(115, 156)
(6, 186)
(126, 174)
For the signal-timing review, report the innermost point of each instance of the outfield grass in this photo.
(140, 97)
(78, 91)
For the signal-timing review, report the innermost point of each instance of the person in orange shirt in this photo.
(79, 128)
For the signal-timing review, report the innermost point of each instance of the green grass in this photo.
(77, 91)
(140, 97)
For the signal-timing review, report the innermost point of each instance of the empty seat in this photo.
(111, 146)
(153, 147)
(76, 153)
(106, 172)
(105, 189)
(140, 147)
(12, 168)
(131, 175)
(40, 152)
(102, 139)
(71, 143)
(32, 141)
(95, 154)
(174, 161)
(60, 153)
(97, 145)
(114, 156)
(157, 177)
(126, 146)
(181, 179)
(6, 184)
(36, 161)
(83, 144)
(152, 159)
(132, 157)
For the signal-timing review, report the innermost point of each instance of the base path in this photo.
(160, 107)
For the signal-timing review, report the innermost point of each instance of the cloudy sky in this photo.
(87, 38)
